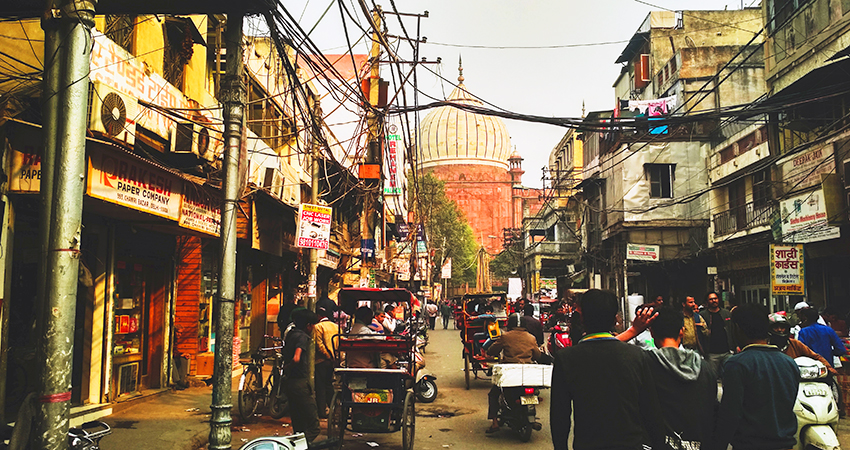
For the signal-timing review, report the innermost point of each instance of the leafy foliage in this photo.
(448, 232)
(507, 264)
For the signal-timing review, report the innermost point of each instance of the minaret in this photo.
(515, 163)
(460, 69)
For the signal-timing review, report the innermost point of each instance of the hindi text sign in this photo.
(787, 274)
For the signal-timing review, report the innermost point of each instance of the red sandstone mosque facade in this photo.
(471, 153)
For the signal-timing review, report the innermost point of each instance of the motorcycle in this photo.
(816, 408)
(559, 337)
(520, 386)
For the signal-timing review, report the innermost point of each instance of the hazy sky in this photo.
(534, 81)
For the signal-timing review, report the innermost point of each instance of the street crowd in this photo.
(656, 383)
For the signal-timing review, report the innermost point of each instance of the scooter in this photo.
(816, 410)
(559, 337)
(517, 409)
(425, 384)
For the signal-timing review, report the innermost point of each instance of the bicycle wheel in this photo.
(408, 422)
(337, 420)
(277, 401)
(250, 393)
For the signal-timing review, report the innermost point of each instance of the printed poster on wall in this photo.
(201, 210)
(314, 226)
(787, 274)
(131, 182)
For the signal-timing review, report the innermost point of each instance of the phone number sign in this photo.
(314, 226)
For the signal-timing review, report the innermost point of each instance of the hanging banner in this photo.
(128, 181)
(314, 226)
(392, 183)
(514, 288)
(446, 271)
(804, 219)
(201, 211)
(787, 274)
(640, 252)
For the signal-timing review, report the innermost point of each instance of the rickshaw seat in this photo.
(373, 344)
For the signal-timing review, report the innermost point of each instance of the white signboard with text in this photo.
(641, 252)
(804, 219)
(314, 226)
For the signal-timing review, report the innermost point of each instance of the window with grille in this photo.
(660, 177)
(761, 188)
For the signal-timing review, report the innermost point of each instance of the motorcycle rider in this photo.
(516, 346)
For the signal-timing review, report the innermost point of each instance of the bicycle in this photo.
(253, 392)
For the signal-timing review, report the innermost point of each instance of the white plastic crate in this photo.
(528, 375)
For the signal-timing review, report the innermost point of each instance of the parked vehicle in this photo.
(816, 409)
(520, 385)
(254, 394)
(559, 337)
(85, 437)
(482, 317)
(88, 435)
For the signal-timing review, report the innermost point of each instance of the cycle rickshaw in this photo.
(375, 399)
(482, 318)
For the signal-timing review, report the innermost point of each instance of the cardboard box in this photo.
(528, 375)
(204, 364)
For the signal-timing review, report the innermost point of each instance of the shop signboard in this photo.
(314, 226)
(787, 274)
(132, 182)
(25, 173)
(392, 183)
(804, 218)
(804, 169)
(549, 287)
(641, 252)
(200, 211)
(329, 258)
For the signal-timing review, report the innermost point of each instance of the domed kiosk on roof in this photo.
(470, 152)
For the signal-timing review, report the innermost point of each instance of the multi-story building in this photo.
(550, 237)
(150, 246)
(647, 212)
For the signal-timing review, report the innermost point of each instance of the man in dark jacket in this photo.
(531, 323)
(606, 382)
(719, 342)
(296, 382)
(686, 384)
(759, 388)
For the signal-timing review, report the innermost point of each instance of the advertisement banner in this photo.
(201, 211)
(787, 274)
(128, 181)
(25, 173)
(314, 226)
(640, 252)
(549, 287)
(446, 271)
(392, 183)
(804, 219)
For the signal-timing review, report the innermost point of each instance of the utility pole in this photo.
(373, 149)
(68, 85)
(314, 253)
(233, 100)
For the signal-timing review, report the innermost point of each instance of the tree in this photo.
(449, 234)
(508, 263)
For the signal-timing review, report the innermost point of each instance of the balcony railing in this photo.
(742, 218)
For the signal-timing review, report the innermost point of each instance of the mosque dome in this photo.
(449, 135)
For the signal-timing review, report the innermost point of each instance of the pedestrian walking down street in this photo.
(719, 334)
(296, 383)
(323, 336)
(604, 383)
(431, 312)
(446, 313)
(759, 388)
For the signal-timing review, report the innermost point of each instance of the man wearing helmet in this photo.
(517, 345)
(780, 336)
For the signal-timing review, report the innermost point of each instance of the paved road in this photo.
(458, 418)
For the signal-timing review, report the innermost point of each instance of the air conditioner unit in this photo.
(190, 137)
(112, 113)
(273, 182)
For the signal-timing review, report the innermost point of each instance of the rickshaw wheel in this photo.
(466, 369)
(337, 420)
(408, 422)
